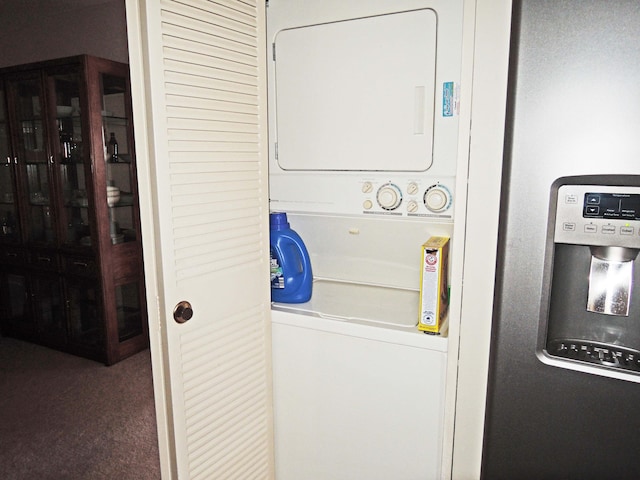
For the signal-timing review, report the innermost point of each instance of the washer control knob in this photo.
(437, 198)
(367, 187)
(412, 206)
(367, 205)
(389, 196)
(412, 188)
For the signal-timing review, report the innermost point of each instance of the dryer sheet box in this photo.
(434, 289)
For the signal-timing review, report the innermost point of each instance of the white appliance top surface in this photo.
(375, 333)
(369, 303)
(393, 311)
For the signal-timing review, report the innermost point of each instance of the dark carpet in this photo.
(65, 418)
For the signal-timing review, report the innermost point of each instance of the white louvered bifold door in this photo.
(198, 74)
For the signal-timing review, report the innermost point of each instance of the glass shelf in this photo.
(123, 159)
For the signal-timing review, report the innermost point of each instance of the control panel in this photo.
(598, 215)
(596, 353)
(407, 198)
(401, 194)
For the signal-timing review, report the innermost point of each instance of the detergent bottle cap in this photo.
(278, 221)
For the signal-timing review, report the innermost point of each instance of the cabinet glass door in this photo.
(129, 311)
(70, 157)
(48, 309)
(118, 158)
(16, 319)
(9, 225)
(84, 313)
(32, 153)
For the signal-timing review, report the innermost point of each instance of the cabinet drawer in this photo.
(80, 266)
(43, 261)
(12, 256)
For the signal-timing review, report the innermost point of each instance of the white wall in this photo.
(47, 32)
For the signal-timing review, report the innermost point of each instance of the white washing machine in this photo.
(357, 399)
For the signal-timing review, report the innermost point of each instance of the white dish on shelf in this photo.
(112, 200)
(113, 195)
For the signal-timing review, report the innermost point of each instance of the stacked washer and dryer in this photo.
(363, 127)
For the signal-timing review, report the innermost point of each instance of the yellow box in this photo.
(434, 289)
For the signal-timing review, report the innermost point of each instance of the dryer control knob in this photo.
(389, 196)
(412, 206)
(437, 198)
(412, 188)
(367, 187)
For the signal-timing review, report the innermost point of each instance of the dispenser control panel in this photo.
(596, 353)
(618, 206)
(598, 215)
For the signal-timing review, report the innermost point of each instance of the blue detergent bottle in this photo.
(291, 276)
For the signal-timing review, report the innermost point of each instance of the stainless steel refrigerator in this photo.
(564, 384)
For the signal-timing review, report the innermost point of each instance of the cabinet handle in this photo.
(44, 259)
(81, 264)
(51, 159)
(11, 254)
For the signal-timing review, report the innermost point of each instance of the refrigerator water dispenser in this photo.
(590, 316)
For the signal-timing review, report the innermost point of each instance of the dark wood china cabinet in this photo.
(71, 273)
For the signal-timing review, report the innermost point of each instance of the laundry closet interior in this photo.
(364, 130)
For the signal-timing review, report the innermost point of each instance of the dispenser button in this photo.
(608, 356)
(593, 199)
(571, 198)
(626, 231)
(590, 228)
(609, 229)
(589, 210)
(569, 226)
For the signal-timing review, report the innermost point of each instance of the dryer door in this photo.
(357, 94)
